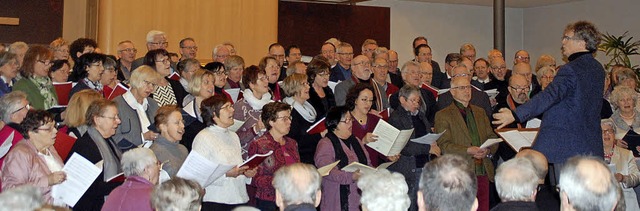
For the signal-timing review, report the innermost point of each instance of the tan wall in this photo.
(74, 19)
(251, 25)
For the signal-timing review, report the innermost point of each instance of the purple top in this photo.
(325, 155)
(133, 194)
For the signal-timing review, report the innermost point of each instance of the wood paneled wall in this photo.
(251, 25)
(40, 22)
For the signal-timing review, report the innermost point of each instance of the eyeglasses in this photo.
(130, 50)
(149, 83)
(327, 52)
(61, 50)
(96, 65)
(347, 120)
(365, 64)
(195, 48)
(324, 74)
(519, 89)
(346, 54)
(48, 130)
(462, 87)
(522, 57)
(366, 100)
(263, 78)
(284, 118)
(570, 38)
(460, 75)
(426, 73)
(28, 107)
(164, 61)
(225, 107)
(414, 100)
(607, 132)
(45, 62)
(165, 44)
(381, 66)
(112, 118)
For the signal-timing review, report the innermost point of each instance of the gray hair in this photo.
(516, 180)
(6, 57)
(384, 190)
(18, 45)
(408, 64)
(620, 92)
(297, 183)
(109, 63)
(136, 160)
(9, 103)
(152, 34)
(588, 187)
(609, 122)
(447, 184)
(291, 69)
(177, 194)
(217, 48)
(22, 198)
(407, 90)
(544, 70)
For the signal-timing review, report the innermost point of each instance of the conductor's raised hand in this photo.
(503, 118)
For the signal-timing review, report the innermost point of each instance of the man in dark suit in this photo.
(411, 75)
(571, 104)
(478, 98)
(422, 53)
(342, 70)
(394, 71)
(452, 60)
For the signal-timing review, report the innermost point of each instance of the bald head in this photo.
(539, 161)
(498, 68)
(586, 183)
(523, 69)
(295, 184)
(461, 71)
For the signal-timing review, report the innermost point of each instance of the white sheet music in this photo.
(234, 93)
(390, 140)
(429, 138)
(6, 145)
(80, 175)
(202, 170)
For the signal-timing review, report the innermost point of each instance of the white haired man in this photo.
(383, 191)
(516, 183)
(447, 184)
(297, 187)
(587, 184)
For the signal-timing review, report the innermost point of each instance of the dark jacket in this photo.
(336, 73)
(515, 205)
(428, 104)
(307, 143)
(317, 103)
(93, 198)
(571, 105)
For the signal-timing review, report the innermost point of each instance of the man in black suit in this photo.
(427, 57)
(478, 98)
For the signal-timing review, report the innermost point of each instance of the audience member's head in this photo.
(410, 73)
(293, 54)
(422, 53)
(234, 65)
(277, 51)
(521, 56)
(498, 68)
(22, 198)
(177, 194)
(516, 180)
(345, 54)
(481, 68)
(452, 60)
(220, 53)
(14, 107)
(545, 61)
(447, 184)
(586, 183)
(79, 103)
(361, 67)
(141, 162)
(298, 183)
(539, 161)
(383, 191)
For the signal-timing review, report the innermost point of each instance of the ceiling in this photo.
(509, 3)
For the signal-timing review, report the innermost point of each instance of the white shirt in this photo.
(222, 146)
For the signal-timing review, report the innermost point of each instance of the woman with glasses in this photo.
(109, 78)
(35, 79)
(60, 48)
(59, 71)
(414, 155)
(137, 109)
(201, 87)
(220, 78)
(626, 170)
(142, 170)
(320, 95)
(276, 116)
(340, 144)
(167, 147)
(625, 116)
(359, 101)
(220, 145)
(271, 68)
(303, 116)
(35, 161)
(249, 108)
(88, 70)
(13, 108)
(97, 145)
(169, 91)
(545, 76)
(8, 71)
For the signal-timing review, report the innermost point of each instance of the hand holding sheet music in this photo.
(390, 140)
(202, 170)
(80, 175)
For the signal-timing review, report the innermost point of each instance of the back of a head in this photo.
(384, 191)
(177, 194)
(516, 180)
(297, 183)
(539, 161)
(588, 184)
(22, 198)
(447, 184)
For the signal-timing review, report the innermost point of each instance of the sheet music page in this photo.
(490, 142)
(6, 145)
(234, 93)
(400, 142)
(429, 138)
(325, 170)
(387, 135)
(80, 175)
(352, 167)
(515, 139)
(197, 168)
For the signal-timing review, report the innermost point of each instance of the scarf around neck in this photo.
(108, 151)
(45, 85)
(141, 110)
(254, 102)
(306, 110)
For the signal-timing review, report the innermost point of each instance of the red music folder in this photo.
(255, 160)
(62, 90)
(117, 91)
(318, 127)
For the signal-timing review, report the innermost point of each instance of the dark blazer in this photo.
(78, 87)
(4, 88)
(437, 75)
(336, 73)
(307, 143)
(93, 199)
(401, 119)
(478, 98)
(571, 105)
(396, 79)
(428, 105)
(316, 101)
(192, 127)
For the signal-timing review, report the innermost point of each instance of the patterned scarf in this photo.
(45, 85)
(93, 85)
(164, 95)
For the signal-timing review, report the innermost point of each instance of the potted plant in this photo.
(619, 48)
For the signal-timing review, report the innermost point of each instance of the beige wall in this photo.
(250, 25)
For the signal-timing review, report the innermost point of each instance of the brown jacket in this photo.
(456, 139)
